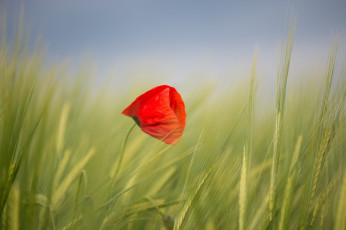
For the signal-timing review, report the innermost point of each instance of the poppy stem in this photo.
(123, 149)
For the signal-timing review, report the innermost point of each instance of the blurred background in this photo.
(175, 40)
(63, 137)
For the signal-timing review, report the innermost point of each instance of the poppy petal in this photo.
(133, 108)
(160, 112)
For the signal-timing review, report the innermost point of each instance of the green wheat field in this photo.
(239, 165)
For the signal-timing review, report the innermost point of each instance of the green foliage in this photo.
(281, 85)
(67, 160)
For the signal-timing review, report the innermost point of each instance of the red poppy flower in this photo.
(160, 112)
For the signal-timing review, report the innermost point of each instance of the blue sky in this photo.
(179, 36)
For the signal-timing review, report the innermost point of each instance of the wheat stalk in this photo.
(179, 221)
(281, 85)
